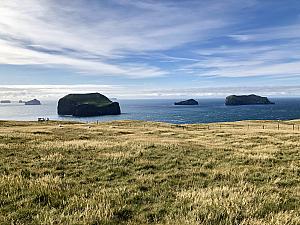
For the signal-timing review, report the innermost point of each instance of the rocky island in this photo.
(85, 105)
(33, 102)
(5, 101)
(187, 102)
(247, 100)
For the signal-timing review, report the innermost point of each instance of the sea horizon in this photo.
(209, 110)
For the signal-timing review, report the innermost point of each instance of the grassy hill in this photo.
(92, 98)
(133, 172)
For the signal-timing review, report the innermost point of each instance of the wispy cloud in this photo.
(263, 52)
(54, 92)
(270, 33)
(27, 92)
(175, 41)
(97, 37)
(221, 92)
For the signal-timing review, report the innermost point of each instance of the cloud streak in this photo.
(162, 43)
(98, 37)
(54, 92)
(253, 55)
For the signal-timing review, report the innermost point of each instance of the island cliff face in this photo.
(247, 100)
(187, 102)
(84, 105)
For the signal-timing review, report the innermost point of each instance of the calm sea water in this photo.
(208, 110)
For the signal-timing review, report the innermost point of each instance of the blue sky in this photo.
(149, 49)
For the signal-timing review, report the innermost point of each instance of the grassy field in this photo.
(133, 172)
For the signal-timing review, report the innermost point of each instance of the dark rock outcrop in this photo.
(33, 102)
(247, 100)
(187, 102)
(84, 105)
(5, 101)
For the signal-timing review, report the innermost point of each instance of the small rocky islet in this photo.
(252, 99)
(187, 102)
(5, 101)
(33, 102)
(235, 100)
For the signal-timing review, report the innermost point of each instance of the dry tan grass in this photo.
(131, 172)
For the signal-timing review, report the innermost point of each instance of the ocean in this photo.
(164, 110)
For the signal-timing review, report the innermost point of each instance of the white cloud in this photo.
(103, 38)
(46, 92)
(270, 33)
(54, 92)
(97, 37)
(248, 59)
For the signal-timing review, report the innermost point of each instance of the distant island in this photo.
(187, 102)
(33, 102)
(247, 100)
(85, 105)
(5, 101)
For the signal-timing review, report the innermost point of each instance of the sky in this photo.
(149, 48)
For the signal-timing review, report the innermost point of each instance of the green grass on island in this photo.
(131, 172)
